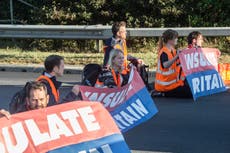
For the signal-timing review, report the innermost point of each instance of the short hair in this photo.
(169, 35)
(116, 27)
(113, 53)
(35, 85)
(52, 61)
(193, 35)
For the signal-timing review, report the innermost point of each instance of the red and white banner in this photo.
(129, 105)
(55, 127)
(199, 59)
(200, 66)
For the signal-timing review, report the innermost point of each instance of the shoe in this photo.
(155, 93)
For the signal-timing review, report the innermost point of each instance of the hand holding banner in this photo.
(78, 127)
(200, 67)
(129, 105)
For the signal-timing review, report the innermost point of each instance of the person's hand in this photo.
(140, 61)
(5, 113)
(76, 89)
(218, 53)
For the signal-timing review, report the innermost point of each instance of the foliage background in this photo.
(142, 13)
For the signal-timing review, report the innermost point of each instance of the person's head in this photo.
(195, 38)
(119, 30)
(169, 37)
(116, 59)
(36, 95)
(54, 64)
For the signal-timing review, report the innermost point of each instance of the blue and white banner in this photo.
(129, 105)
(205, 83)
(200, 68)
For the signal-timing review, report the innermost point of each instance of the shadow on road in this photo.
(181, 126)
(185, 126)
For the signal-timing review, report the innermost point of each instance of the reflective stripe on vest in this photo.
(166, 83)
(169, 72)
(55, 92)
(168, 78)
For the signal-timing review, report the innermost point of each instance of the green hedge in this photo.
(142, 13)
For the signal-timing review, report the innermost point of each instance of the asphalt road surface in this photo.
(181, 126)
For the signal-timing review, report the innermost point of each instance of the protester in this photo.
(37, 96)
(4, 113)
(54, 67)
(170, 80)
(112, 76)
(118, 41)
(195, 39)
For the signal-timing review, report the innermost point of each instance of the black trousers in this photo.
(180, 92)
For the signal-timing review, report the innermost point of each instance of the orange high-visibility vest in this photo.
(168, 78)
(55, 92)
(117, 79)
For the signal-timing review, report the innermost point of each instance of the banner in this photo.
(200, 66)
(129, 105)
(76, 127)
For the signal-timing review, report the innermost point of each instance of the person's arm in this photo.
(5, 113)
(167, 64)
(73, 95)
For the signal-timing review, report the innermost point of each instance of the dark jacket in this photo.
(109, 45)
(57, 85)
(68, 98)
(106, 77)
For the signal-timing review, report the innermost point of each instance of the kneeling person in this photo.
(36, 97)
(170, 79)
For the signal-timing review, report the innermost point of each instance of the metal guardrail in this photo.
(96, 32)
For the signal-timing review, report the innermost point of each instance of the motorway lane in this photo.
(181, 126)
(184, 126)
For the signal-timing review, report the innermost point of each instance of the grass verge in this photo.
(17, 56)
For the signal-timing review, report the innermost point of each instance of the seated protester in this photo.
(118, 41)
(37, 97)
(170, 80)
(54, 67)
(112, 76)
(195, 39)
(5, 113)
